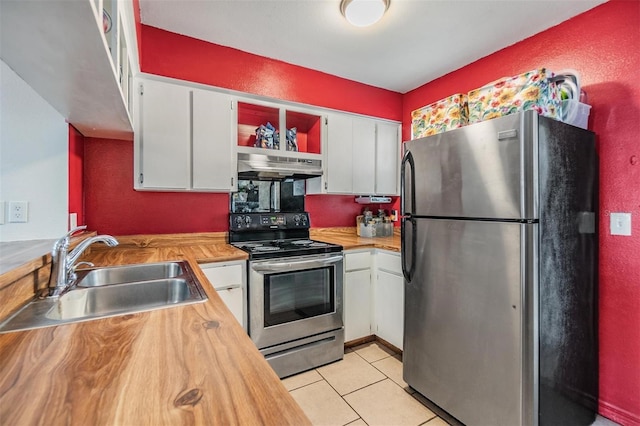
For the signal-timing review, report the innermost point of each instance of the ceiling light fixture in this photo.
(363, 13)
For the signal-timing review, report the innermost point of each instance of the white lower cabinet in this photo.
(230, 281)
(388, 318)
(374, 296)
(357, 295)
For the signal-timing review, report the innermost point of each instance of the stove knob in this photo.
(247, 220)
(296, 219)
(239, 221)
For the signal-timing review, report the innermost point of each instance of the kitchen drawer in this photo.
(222, 276)
(389, 261)
(234, 299)
(355, 261)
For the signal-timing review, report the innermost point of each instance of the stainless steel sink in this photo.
(128, 273)
(118, 291)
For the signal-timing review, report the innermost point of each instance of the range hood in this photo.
(272, 167)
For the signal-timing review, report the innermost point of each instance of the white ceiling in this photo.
(415, 42)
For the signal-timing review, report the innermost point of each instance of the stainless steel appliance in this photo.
(295, 290)
(273, 167)
(499, 254)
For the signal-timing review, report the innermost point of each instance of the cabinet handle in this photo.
(141, 178)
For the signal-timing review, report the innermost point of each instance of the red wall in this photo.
(604, 46)
(172, 55)
(76, 179)
(113, 206)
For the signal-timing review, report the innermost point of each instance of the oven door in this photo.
(294, 297)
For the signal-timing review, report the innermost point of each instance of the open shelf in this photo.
(308, 131)
(250, 117)
(308, 127)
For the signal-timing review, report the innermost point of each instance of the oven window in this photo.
(291, 296)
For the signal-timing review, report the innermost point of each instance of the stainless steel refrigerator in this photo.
(499, 253)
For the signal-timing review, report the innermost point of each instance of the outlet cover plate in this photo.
(621, 224)
(18, 211)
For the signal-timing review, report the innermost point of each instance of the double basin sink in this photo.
(110, 291)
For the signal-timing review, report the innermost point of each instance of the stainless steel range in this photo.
(295, 290)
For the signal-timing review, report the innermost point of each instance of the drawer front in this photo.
(355, 261)
(233, 298)
(223, 276)
(389, 262)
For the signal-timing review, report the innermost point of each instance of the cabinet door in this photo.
(387, 158)
(339, 153)
(389, 308)
(233, 298)
(229, 281)
(213, 162)
(165, 134)
(364, 156)
(357, 305)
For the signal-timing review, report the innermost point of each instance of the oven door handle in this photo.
(286, 266)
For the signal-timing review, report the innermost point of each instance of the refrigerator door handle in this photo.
(406, 216)
(407, 160)
(408, 271)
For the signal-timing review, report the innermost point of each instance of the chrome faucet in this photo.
(63, 263)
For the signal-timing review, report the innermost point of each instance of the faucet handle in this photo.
(76, 229)
(89, 264)
(65, 238)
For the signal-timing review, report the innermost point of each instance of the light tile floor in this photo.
(365, 388)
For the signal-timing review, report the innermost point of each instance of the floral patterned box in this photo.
(446, 114)
(529, 90)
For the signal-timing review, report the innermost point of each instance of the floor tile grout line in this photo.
(425, 423)
(359, 418)
(388, 355)
(305, 385)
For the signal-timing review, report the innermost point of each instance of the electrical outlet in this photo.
(18, 211)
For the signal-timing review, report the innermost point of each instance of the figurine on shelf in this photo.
(267, 137)
(292, 139)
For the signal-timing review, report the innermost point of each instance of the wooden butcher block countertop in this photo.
(349, 240)
(183, 365)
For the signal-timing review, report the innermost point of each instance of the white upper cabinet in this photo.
(387, 161)
(214, 165)
(183, 138)
(362, 157)
(163, 135)
(338, 167)
(61, 49)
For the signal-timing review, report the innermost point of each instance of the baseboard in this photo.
(358, 342)
(372, 338)
(617, 414)
(389, 345)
